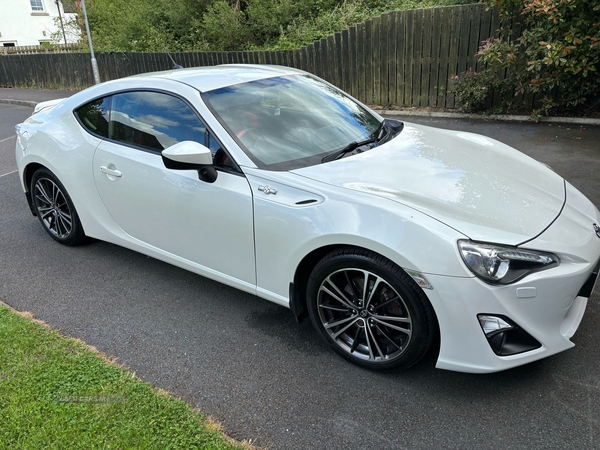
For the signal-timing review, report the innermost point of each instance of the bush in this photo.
(224, 27)
(556, 58)
(473, 89)
(307, 30)
(192, 25)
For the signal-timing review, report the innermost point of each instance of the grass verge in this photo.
(56, 393)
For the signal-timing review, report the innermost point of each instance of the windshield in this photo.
(289, 122)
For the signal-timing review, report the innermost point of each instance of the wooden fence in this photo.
(403, 58)
(35, 49)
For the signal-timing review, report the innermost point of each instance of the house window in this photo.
(36, 5)
(69, 7)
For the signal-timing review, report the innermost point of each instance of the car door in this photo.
(206, 224)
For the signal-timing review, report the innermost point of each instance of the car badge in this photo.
(267, 190)
(596, 229)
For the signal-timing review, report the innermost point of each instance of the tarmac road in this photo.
(9, 116)
(247, 363)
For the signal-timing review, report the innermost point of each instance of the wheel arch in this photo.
(28, 172)
(297, 294)
(58, 204)
(303, 271)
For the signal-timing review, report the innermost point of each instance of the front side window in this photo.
(287, 122)
(220, 157)
(36, 5)
(153, 120)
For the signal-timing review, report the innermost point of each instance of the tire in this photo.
(388, 326)
(55, 209)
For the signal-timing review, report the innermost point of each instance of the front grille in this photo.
(588, 286)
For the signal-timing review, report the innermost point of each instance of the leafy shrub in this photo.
(192, 25)
(473, 89)
(304, 29)
(224, 27)
(556, 58)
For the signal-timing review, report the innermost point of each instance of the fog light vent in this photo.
(588, 287)
(493, 323)
(505, 337)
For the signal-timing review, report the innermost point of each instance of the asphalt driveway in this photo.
(247, 363)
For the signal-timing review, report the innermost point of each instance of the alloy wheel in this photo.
(364, 315)
(53, 208)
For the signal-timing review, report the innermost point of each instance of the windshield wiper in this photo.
(347, 149)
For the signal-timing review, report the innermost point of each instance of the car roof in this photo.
(215, 77)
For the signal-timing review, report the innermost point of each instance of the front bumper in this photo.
(548, 305)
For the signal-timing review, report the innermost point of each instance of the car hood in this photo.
(482, 188)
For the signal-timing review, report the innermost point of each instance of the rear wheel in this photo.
(369, 310)
(55, 209)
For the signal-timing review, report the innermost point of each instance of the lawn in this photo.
(57, 393)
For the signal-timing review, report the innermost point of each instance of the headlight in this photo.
(498, 264)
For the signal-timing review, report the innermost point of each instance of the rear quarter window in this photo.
(93, 116)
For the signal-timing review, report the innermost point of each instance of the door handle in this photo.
(111, 172)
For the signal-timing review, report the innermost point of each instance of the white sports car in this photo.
(275, 182)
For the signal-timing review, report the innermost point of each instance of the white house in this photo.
(33, 22)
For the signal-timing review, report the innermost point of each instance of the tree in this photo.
(146, 25)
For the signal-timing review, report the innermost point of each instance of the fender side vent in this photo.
(306, 202)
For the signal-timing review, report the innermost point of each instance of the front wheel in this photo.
(55, 209)
(369, 310)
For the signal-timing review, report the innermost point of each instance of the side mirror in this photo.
(189, 155)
